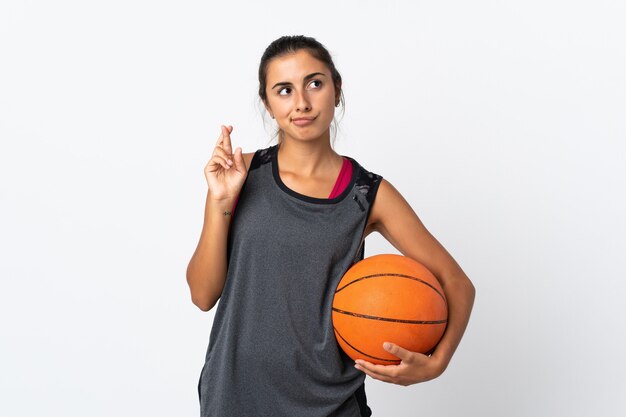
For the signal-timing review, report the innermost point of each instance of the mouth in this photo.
(303, 121)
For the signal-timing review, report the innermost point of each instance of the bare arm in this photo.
(206, 272)
(394, 218)
(207, 269)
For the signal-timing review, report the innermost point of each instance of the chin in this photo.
(308, 135)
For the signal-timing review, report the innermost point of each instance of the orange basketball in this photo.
(388, 298)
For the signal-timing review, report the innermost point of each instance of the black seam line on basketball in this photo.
(393, 275)
(361, 352)
(365, 316)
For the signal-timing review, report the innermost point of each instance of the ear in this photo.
(337, 94)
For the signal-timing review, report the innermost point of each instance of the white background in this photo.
(502, 123)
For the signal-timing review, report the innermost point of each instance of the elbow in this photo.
(462, 286)
(202, 303)
(204, 307)
(470, 290)
(200, 298)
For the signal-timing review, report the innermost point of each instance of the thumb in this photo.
(398, 351)
(240, 165)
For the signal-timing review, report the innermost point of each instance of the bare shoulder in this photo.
(394, 218)
(388, 201)
(391, 214)
(247, 158)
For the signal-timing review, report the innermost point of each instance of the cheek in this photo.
(280, 108)
(332, 98)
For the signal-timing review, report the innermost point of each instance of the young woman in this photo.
(302, 213)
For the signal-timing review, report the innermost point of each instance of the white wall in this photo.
(502, 123)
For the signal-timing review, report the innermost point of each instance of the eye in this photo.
(289, 89)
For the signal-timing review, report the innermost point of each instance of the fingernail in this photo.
(387, 346)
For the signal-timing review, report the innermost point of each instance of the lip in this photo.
(303, 121)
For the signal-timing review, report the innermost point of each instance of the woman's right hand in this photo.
(226, 171)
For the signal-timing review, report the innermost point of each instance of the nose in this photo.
(302, 102)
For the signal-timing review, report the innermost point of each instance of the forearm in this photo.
(460, 295)
(206, 272)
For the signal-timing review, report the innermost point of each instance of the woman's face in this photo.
(300, 86)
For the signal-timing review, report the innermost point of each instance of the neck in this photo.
(308, 158)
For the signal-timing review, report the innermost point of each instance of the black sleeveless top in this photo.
(272, 349)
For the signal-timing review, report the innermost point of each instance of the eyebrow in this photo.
(308, 77)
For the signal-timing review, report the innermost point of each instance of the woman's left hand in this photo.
(414, 367)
